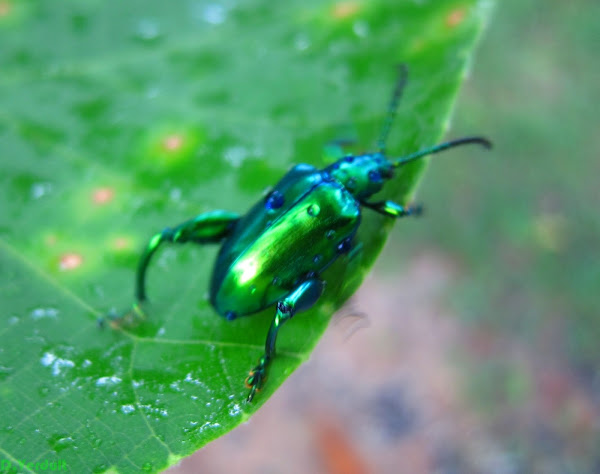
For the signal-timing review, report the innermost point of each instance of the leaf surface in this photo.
(121, 118)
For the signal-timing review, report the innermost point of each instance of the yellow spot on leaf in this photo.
(5, 8)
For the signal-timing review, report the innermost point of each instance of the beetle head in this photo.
(362, 175)
(365, 175)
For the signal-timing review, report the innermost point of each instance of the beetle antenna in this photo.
(441, 147)
(393, 107)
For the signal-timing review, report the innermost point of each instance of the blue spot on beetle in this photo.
(274, 200)
(344, 246)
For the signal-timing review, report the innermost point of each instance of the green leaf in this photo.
(121, 118)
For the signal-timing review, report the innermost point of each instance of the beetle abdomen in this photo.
(305, 239)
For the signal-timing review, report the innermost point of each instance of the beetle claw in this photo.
(415, 209)
(255, 380)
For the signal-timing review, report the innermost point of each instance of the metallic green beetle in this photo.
(275, 254)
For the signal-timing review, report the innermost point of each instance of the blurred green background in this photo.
(522, 229)
(508, 250)
(524, 221)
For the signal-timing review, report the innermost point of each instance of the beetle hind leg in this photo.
(302, 298)
(210, 227)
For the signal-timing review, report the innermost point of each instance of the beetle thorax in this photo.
(362, 175)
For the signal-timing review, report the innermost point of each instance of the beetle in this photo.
(274, 255)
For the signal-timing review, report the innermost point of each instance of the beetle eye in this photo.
(387, 172)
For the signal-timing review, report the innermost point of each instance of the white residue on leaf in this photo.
(39, 190)
(190, 379)
(235, 155)
(175, 194)
(106, 381)
(39, 313)
(208, 425)
(235, 409)
(56, 364)
(301, 42)
(212, 13)
(127, 409)
(360, 28)
(147, 29)
(152, 92)
(149, 409)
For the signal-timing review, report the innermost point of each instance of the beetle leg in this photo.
(210, 227)
(302, 298)
(390, 208)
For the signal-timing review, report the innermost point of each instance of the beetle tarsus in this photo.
(210, 227)
(130, 318)
(257, 378)
(415, 210)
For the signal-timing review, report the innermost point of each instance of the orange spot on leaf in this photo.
(70, 261)
(121, 243)
(103, 195)
(50, 240)
(172, 142)
(345, 9)
(455, 17)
